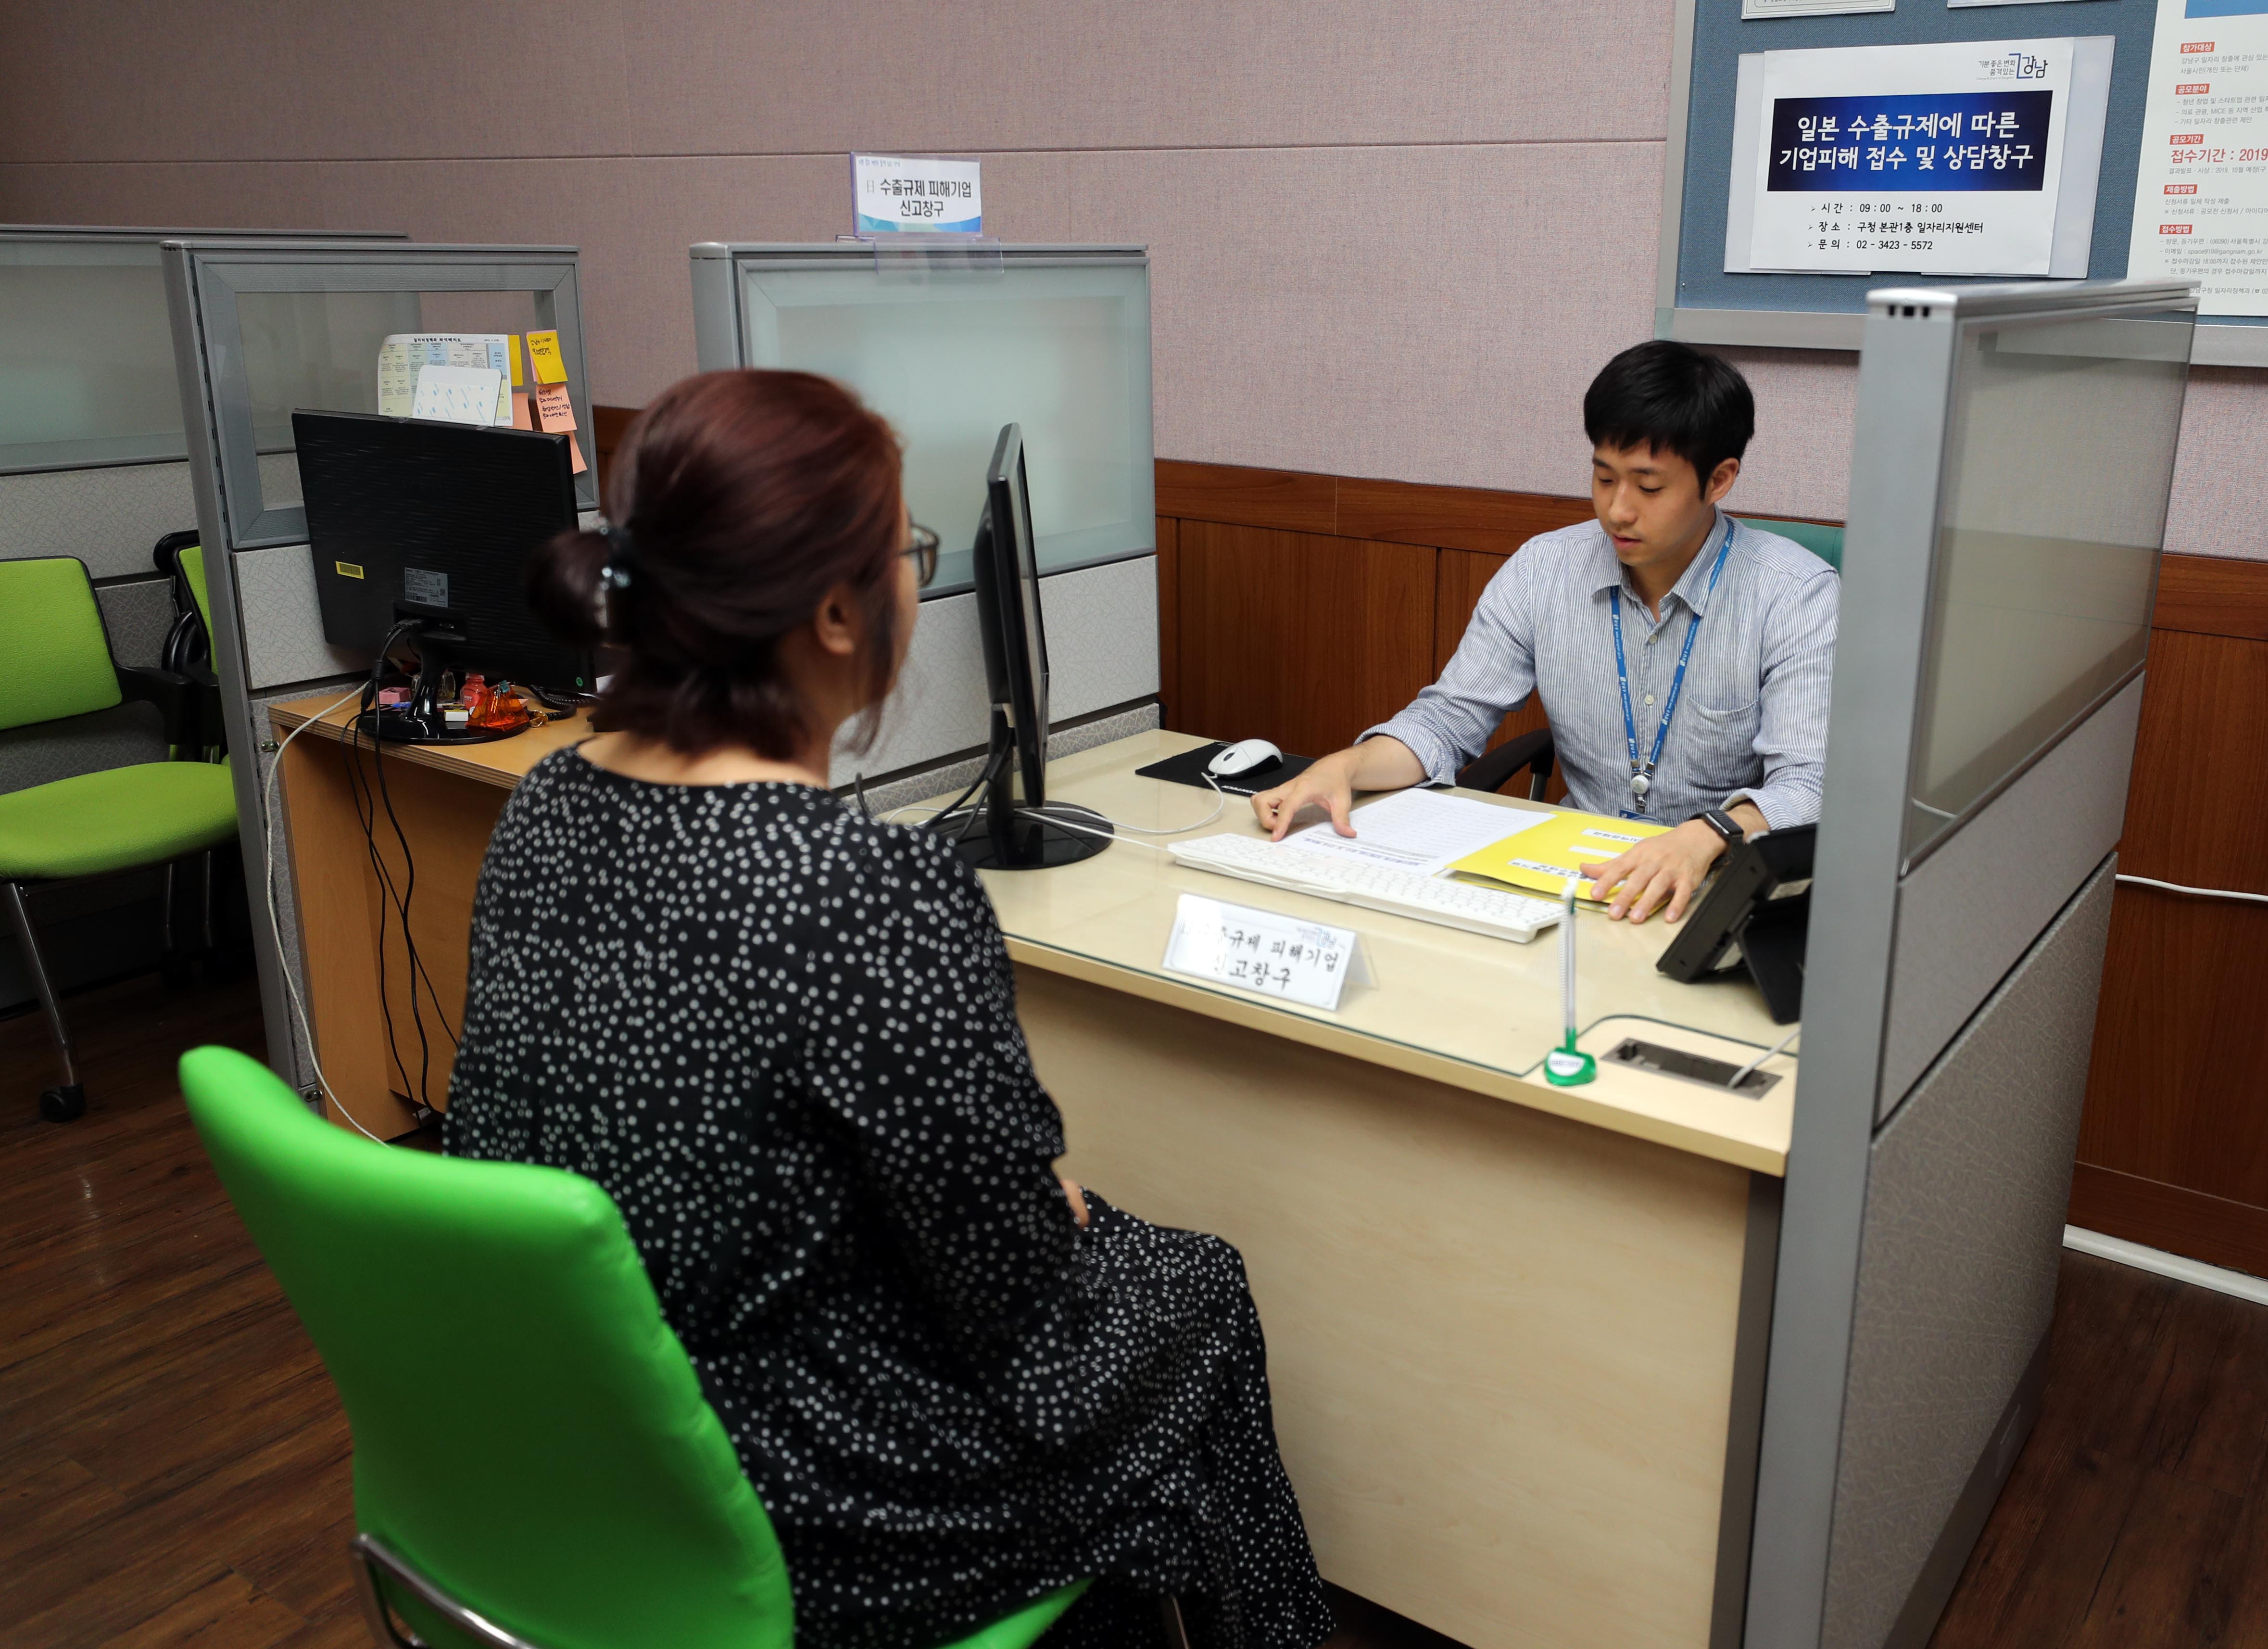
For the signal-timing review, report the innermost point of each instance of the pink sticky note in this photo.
(520, 415)
(553, 409)
(575, 452)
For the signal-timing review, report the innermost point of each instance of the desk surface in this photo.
(1472, 1012)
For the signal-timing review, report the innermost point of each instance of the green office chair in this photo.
(1534, 751)
(55, 661)
(534, 1463)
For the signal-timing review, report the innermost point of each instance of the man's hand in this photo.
(1328, 785)
(1670, 867)
(1376, 763)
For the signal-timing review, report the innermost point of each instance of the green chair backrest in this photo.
(54, 657)
(193, 564)
(528, 1433)
(1825, 541)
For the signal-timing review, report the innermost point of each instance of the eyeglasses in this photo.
(924, 551)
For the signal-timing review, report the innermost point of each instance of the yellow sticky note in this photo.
(554, 411)
(544, 360)
(511, 352)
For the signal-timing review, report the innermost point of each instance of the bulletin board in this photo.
(1698, 301)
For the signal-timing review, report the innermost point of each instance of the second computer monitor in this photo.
(411, 519)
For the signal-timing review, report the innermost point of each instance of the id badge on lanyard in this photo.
(1641, 772)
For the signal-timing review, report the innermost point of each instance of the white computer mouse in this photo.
(1244, 757)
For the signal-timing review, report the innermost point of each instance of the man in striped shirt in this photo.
(1685, 657)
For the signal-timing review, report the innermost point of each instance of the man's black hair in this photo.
(1674, 399)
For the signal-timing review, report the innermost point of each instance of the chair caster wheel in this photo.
(64, 1104)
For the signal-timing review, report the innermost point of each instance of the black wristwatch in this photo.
(1725, 825)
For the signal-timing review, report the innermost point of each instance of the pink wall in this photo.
(1387, 240)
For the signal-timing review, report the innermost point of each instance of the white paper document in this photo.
(2201, 194)
(404, 355)
(1945, 160)
(1259, 950)
(1420, 831)
(456, 395)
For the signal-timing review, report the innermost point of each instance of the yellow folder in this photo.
(1542, 858)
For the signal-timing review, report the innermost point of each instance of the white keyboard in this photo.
(1480, 910)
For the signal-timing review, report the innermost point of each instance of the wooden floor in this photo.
(174, 1464)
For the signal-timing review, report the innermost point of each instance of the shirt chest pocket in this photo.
(1721, 710)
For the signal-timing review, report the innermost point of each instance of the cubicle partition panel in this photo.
(949, 344)
(2014, 455)
(262, 329)
(94, 464)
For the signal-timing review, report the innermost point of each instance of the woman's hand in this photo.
(1076, 1197)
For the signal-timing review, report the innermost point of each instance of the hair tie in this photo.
(621, 555)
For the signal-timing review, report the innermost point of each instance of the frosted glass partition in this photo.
(1054, 340)
(286, 326)
(2059, 460)
(86, 353)
(319, 352)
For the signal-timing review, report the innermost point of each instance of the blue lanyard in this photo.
(1641, 778)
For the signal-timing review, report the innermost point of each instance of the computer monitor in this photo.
(431, 524)
(1019, 830)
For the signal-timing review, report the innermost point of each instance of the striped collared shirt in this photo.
(1751, 723)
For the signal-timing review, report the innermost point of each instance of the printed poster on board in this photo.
(1941, 160)
(2201, 192)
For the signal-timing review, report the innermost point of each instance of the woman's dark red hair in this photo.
(741, 498)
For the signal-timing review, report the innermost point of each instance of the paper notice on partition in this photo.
(1945, 160)
(405, 354)
(2201, 192)
(456, 395)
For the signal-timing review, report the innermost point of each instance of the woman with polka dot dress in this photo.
(782, 1037)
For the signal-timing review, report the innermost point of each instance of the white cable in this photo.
(1076, 828)
(1140, 830)
(2196, 892)
(1741, 1075)
(276, 920)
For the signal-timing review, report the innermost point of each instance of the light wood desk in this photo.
(1515, 1333)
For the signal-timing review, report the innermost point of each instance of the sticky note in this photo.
(544, 360)
(511, 352)
(553, 409)
(575, 453)
(520, 417)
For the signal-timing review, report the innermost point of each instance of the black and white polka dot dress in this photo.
(783, 1038)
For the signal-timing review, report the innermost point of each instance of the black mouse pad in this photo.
(1188, 768)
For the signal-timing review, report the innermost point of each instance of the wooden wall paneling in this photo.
(2181, 1045)
(608, 425)
(1453, 518)
(1300, 638)
(2209, 596)
(1169, 622)
(1289, 499)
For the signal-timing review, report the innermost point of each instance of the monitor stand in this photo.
(1008, 836)
(422, 722)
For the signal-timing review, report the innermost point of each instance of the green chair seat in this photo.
(531, 1440)
(115, 819)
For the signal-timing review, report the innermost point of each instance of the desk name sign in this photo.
(1262, 952)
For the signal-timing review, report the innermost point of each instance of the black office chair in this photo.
(1495, 770)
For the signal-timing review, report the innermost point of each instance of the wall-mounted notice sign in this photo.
(896, 194)
(2201, 194)
(1978, 157)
